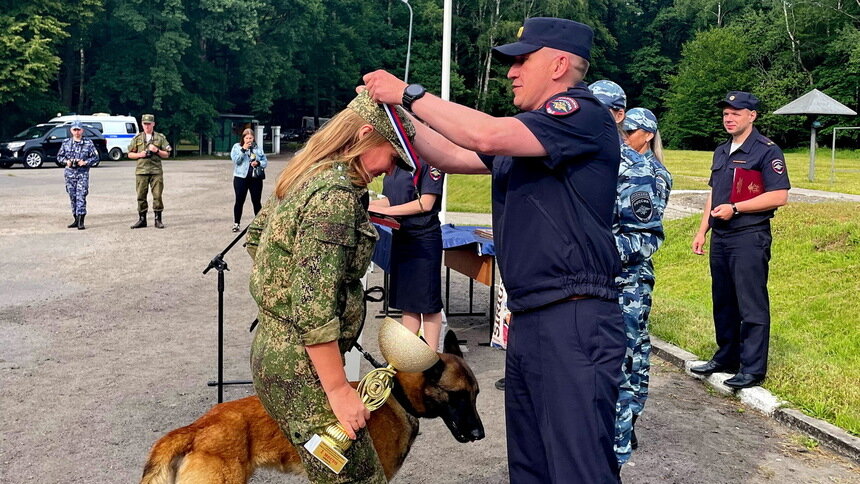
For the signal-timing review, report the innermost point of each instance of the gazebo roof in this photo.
(815, 102)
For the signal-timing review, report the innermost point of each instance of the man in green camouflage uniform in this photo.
(148, 148)
(310, 251)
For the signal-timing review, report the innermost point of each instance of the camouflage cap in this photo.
(375, 115)
(609, 93)
(640, 118)
(147, 118)
(76, 124)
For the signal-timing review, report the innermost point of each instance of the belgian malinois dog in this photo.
(233, 439)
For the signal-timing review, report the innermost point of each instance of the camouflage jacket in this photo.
(151, 165)
(310, 251)
(78, 150)
(643, 192)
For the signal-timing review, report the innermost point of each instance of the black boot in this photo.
(634, 442)
(81, 221)
(158, 223)
(73, 224)
(141, 222)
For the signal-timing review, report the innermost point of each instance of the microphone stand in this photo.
(220, 265)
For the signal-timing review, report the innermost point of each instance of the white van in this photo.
(117, 130)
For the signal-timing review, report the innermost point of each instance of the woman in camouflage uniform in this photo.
(311, 244)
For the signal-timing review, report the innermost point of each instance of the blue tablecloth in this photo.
(452, 237)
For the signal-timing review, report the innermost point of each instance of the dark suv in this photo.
(41, 143)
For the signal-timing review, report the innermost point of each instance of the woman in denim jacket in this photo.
(246, 156)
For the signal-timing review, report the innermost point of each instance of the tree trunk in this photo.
(81, 85)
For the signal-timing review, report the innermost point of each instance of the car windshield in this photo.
(34, 132)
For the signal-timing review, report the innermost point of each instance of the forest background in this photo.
(279, 60)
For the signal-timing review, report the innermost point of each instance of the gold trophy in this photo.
(404, 351)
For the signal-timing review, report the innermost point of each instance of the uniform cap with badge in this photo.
(147, 118)
(640, 118)
(556, 33)
(739, 100)
(392, 124)
(609, 94)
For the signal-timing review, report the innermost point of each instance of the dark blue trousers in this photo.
(739, 267)
(562, 371)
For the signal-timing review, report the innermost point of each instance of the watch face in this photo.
(413, 90)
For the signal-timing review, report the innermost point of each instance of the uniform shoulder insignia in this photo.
(435, 174)
(561, 106)
(778, 166)
(765, 140)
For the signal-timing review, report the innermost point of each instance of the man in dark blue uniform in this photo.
(740, 241)
(555, 170)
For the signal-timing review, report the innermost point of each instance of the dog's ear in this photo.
(452, 344)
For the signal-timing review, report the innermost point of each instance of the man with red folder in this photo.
(749, 181)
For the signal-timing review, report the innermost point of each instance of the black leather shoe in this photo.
(713, 367)
(500, 385)
(744, 380)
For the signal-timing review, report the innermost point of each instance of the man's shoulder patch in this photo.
(561, 106)
(778, 166)
(435, 174)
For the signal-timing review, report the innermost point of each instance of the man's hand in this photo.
(153, 148)
(723, 212)
(349, 409)
(81, 162)
(384, 87)
(699, 244)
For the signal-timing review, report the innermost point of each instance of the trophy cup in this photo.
(404, 351)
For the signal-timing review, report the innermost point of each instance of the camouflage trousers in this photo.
(635, 300)
(77, 186)
(290, 391)
(143, 184)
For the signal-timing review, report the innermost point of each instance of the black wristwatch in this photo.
(735, 210)
(412, 93)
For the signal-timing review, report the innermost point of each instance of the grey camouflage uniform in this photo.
(643, 192)
(310, 251)
(77, 177)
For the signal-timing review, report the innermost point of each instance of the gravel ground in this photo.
(108, 337)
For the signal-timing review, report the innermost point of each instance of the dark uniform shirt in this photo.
(552, 215)
(756, 153)
(399, 187)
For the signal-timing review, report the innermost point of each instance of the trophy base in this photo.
(325, 453)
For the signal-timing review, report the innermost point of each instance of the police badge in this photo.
(642, 206)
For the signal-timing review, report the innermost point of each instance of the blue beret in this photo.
(556, 33)
(609, 93)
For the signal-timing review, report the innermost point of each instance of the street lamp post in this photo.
(408, 42)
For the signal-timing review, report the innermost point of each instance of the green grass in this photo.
(691, 169)
(815, 334)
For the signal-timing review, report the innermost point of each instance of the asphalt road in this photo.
(109, 335)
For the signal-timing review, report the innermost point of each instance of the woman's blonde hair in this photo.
(657, 146)
(248, 131)
(337, 140)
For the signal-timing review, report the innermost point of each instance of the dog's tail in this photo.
(166, 455)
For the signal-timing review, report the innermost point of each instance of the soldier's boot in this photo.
(158, 223)
(73, 224)
(634, 442)
(81, 221)
(141, 222)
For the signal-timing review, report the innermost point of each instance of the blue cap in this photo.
(609, 94)
(739, 100)
(640, 118)
(556, 33)
(77, 125)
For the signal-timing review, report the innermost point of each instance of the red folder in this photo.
(746, 184)
(385, 220)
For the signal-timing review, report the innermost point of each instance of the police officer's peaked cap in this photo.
(640, 118)
(739, 100)
(609, 94)
(556, 33)
(376, 116)
(147, 118)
